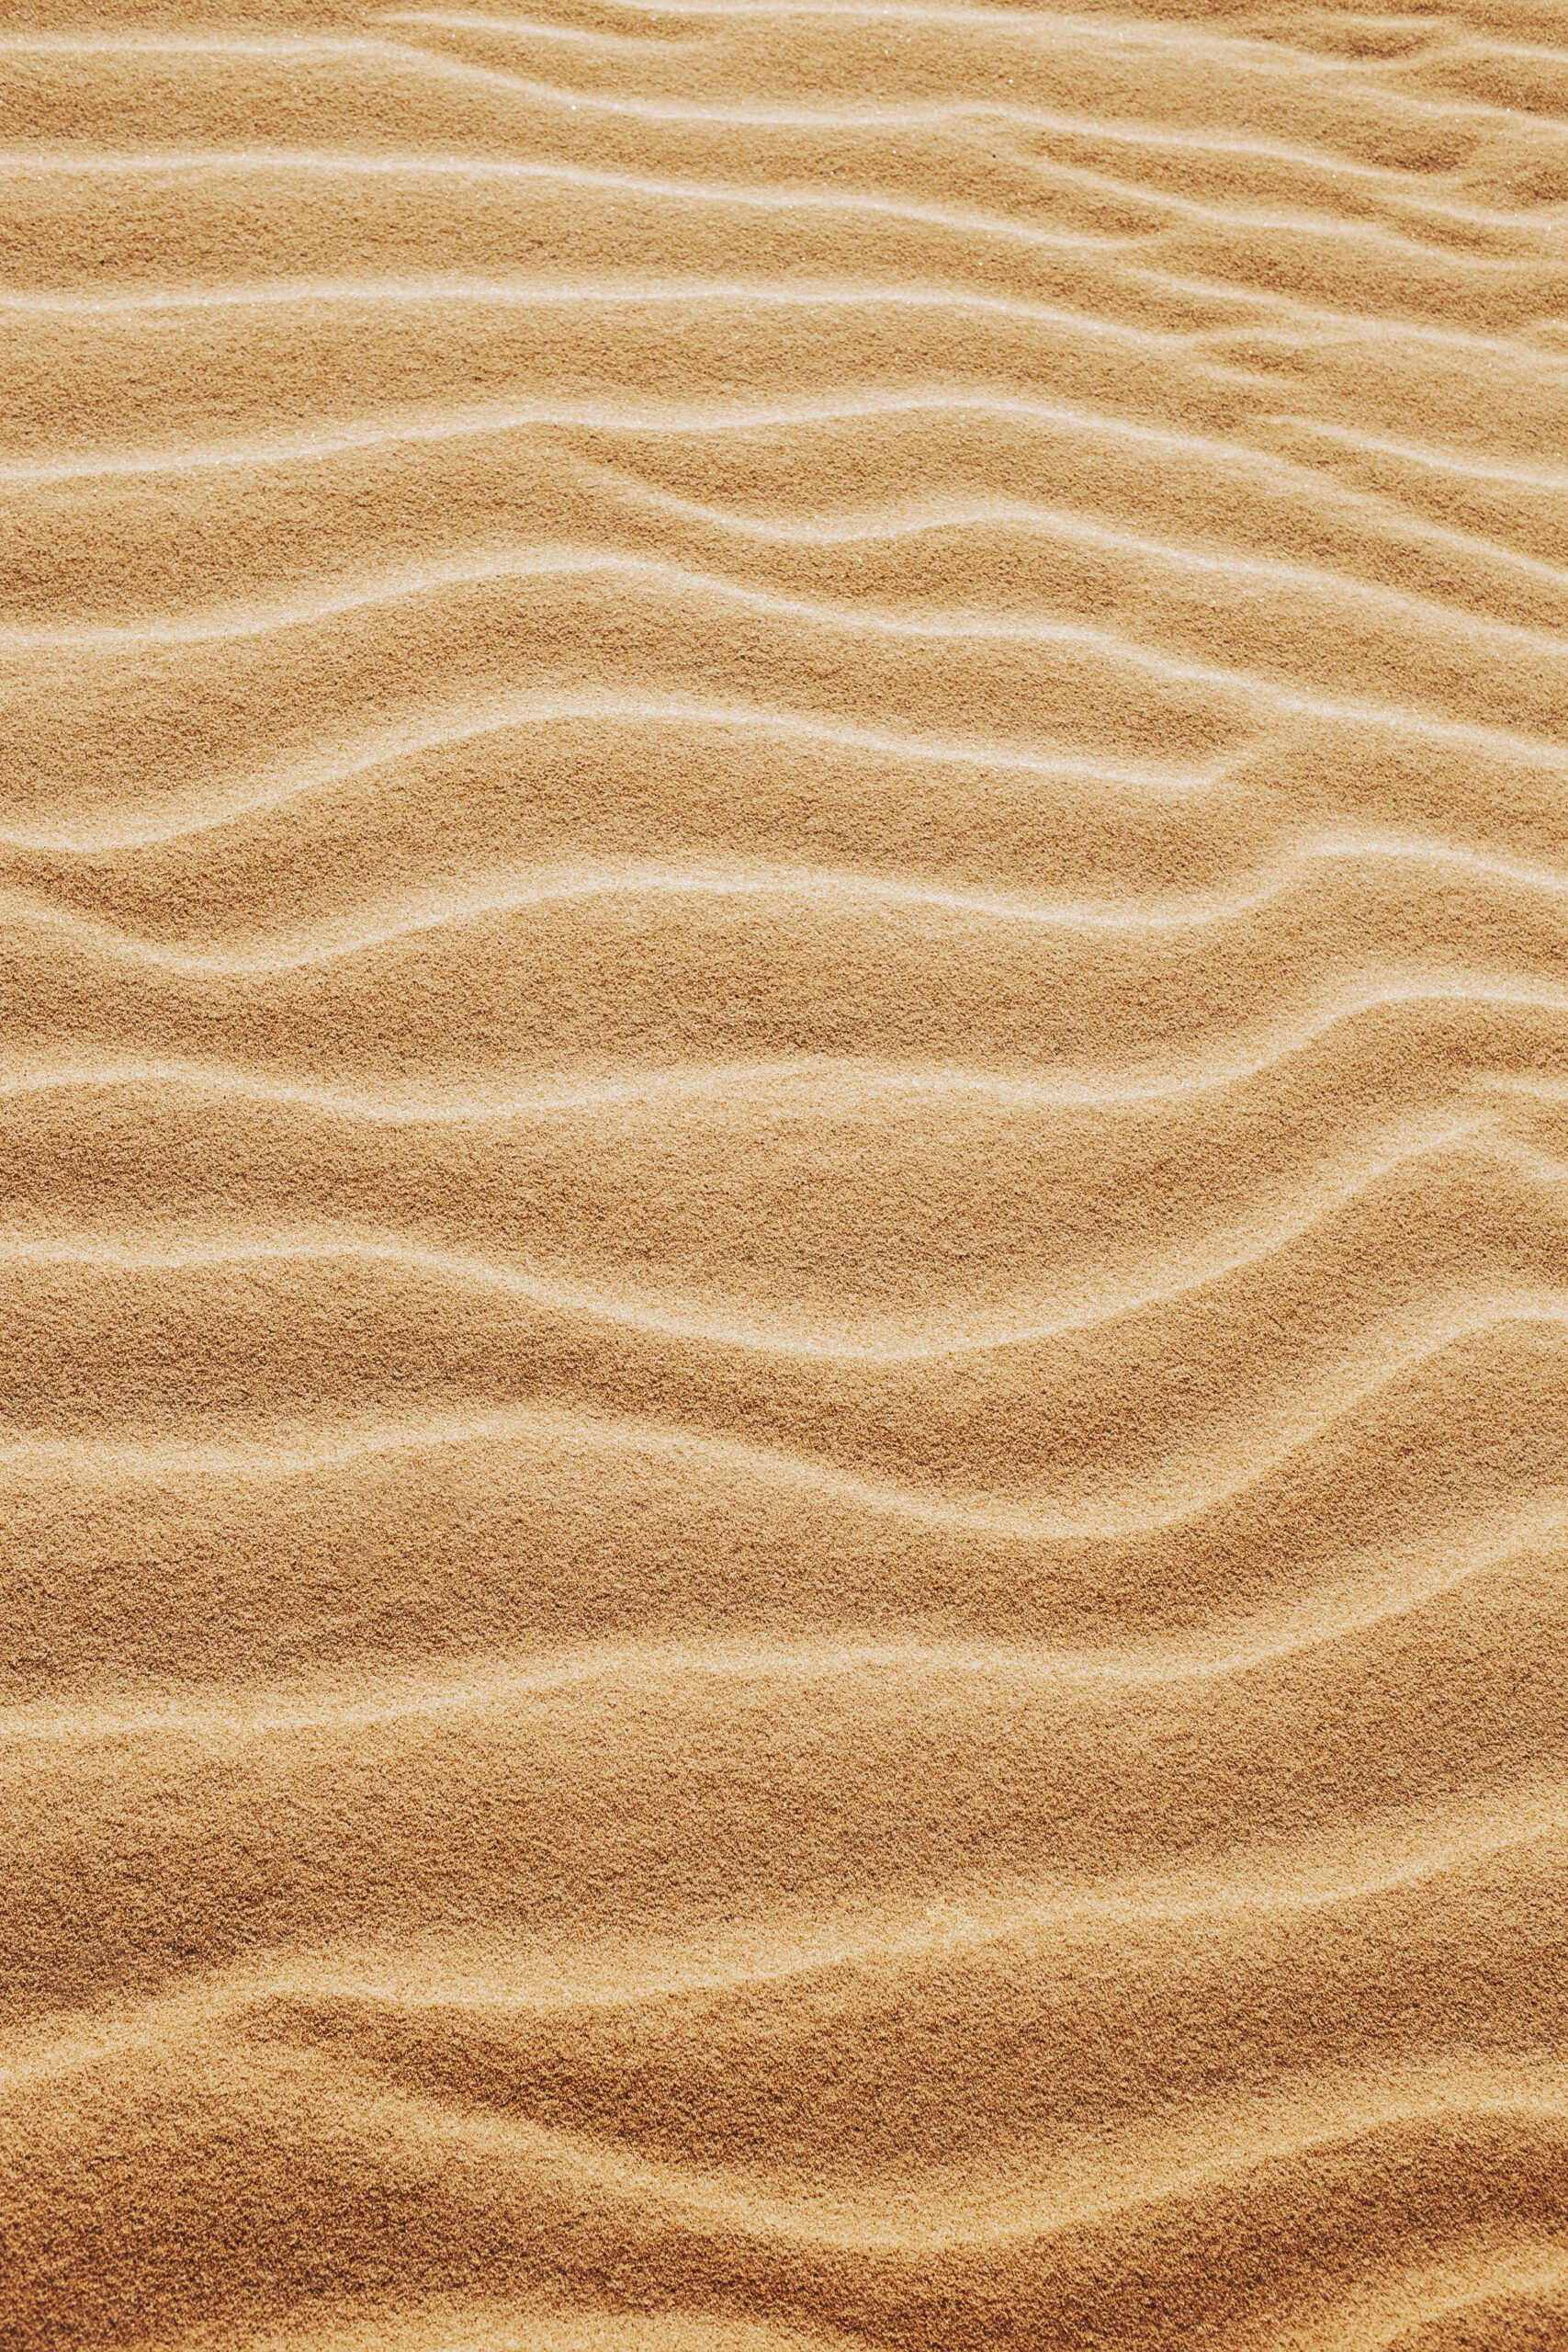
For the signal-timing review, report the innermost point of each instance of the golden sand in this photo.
(783, 1099)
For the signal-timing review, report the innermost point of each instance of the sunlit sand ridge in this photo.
(784, 1098)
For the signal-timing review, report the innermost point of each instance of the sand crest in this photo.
(784, 1235)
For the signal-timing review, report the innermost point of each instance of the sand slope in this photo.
(783, 1252)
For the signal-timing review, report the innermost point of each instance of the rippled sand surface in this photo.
(783, 1109)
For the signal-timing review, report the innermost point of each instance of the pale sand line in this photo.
(930, 1673)
(552, 293)
(183, 1714)
(877, 526)
(1312, 67)
(835, 529)
(1070, 1088)
(1121, 33)
(1376, 235)
(1192, 343)
(677, 420)
(1539, 227)
(755, 1334)
(742, 195)
(1464, 465)
(280, 1453)
(1527, 2275)
(837, 1084)
(1117, 34)
(944, 1932)
(410, 739)
(820, 888)
(1389, 180)
(1529, 2099)
(1069, 1092)
(414, 58)
(1180, 1505)
(1275, 696)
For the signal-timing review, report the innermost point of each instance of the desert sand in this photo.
(784, 1250)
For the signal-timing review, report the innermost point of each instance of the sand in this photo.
(783, 1250)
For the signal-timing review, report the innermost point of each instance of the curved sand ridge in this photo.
(784, 1098)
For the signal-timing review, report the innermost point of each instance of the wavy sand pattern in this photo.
(783, 869)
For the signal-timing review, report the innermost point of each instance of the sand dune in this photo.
(783, 1099)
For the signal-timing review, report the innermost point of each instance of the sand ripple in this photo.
(783, 1247)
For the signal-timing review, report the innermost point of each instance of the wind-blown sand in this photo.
(785, 1105)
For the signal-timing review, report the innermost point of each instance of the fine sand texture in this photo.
(783, 1232)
